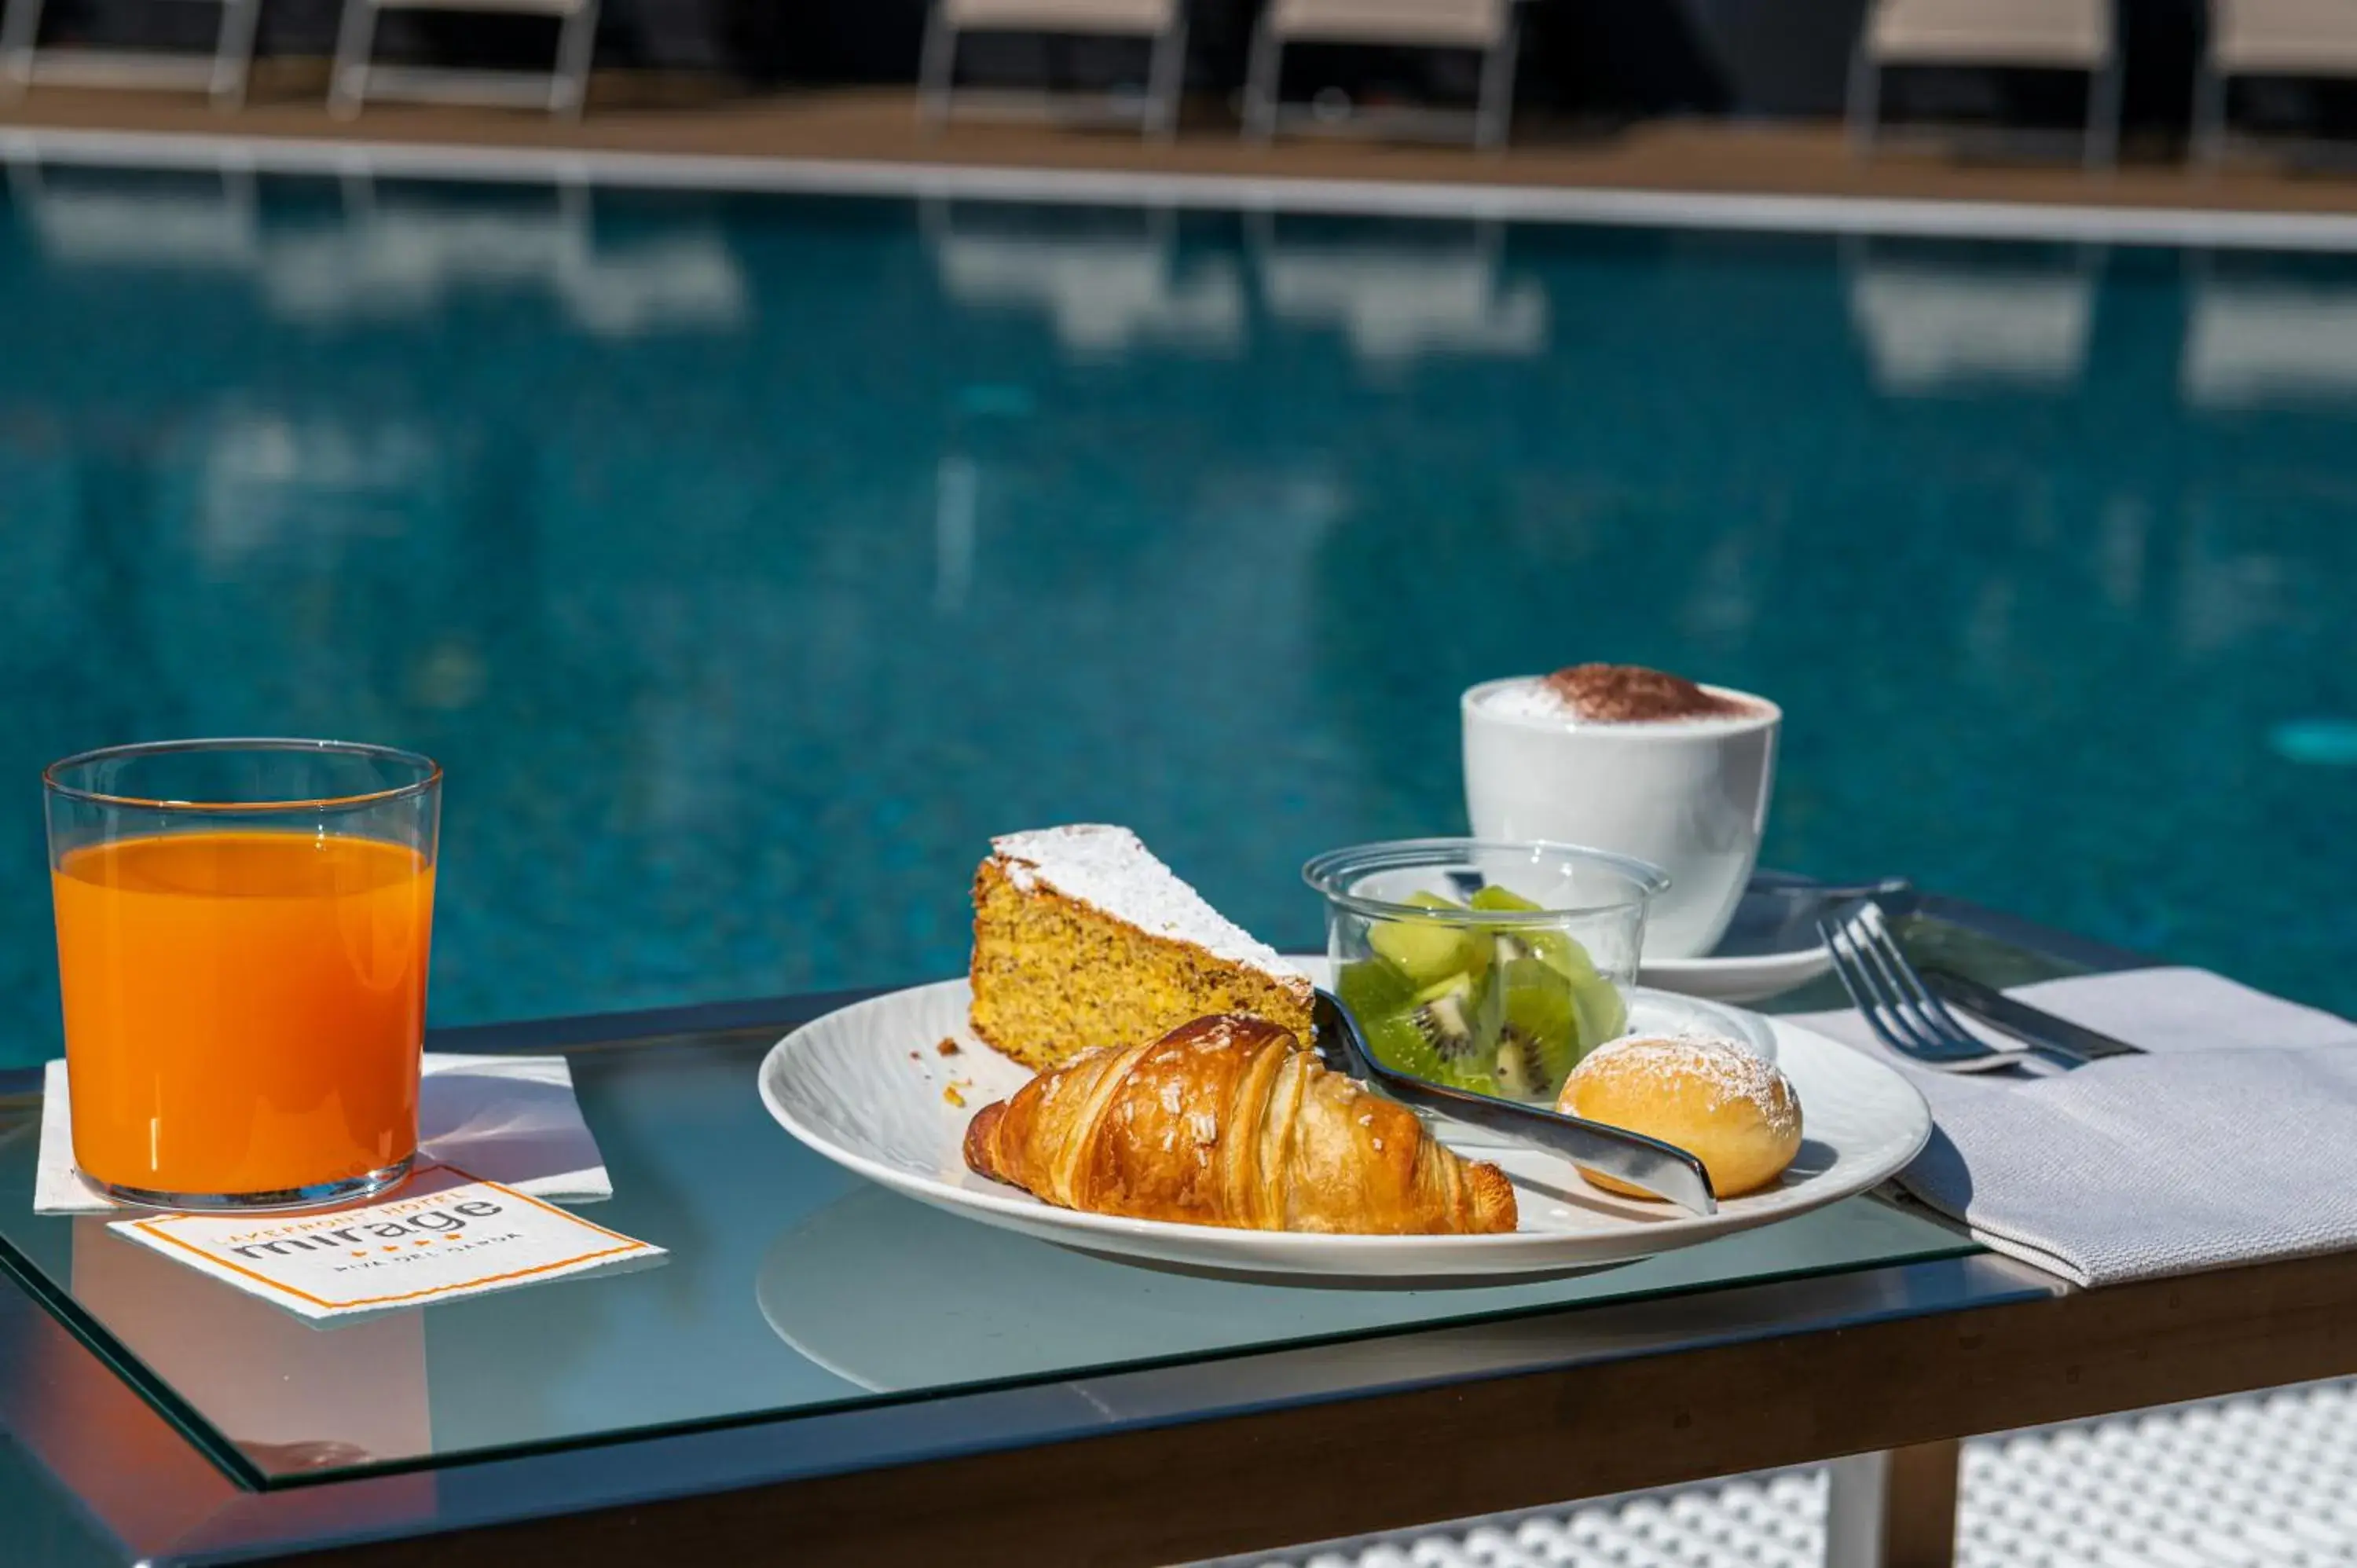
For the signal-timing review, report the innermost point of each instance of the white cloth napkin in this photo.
(2232, 1142)
(513, 1120)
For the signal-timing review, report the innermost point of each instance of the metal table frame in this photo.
(1894, 1364)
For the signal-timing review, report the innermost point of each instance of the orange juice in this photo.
(244, 1010)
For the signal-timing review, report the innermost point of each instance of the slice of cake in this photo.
(1082, 938)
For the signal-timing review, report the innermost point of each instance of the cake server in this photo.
(1663, 1169)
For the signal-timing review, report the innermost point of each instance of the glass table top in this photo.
(791, 1287)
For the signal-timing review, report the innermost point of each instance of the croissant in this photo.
(1226, 1121)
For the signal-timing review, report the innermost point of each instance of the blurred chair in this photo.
(222, 73)
(1400, 302)
(562, 91)
(2267, 37)
(1163, 22)
(1103, 292)
(1937, 323)
(2043, 35)
(1488, 28)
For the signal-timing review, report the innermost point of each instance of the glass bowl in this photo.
(1484, 964)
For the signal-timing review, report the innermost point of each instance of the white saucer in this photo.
(1737, 977)
(866, 1088)
(1771, 947)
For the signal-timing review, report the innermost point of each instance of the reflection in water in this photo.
(200, 223)
(1397, 303)
(389, 261)
(264, 478)
(743, 612)
(1937, 319)
(960, 482)
(2260, 340)
(402, 261)
(1103, 291)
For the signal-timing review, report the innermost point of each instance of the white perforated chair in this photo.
(2268, 37)
(1162, 22)
(221, 73)
(2041, 35)
(355, 78)
(1488, 27)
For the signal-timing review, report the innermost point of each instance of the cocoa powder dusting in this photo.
(1630, 693)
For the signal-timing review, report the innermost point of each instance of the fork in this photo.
(1900, 1009)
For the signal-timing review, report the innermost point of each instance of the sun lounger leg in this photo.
(933, 72)
(2209, 113)
(18, 34)
(1262, 78)
(577, 47)
(1166, 78)
(347, 83)
(1496, 111)
(2103, 114)
(1865, 99)
(233, 55)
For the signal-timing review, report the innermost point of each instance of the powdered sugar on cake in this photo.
(1729, 1068)
(1108, 867)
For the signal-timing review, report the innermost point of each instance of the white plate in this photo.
(866, 1088)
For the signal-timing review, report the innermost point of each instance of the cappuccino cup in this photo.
(1687, 793)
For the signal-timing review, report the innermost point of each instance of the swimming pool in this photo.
(748, 560)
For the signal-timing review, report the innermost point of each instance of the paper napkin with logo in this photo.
(444, 1235)
(507, 1119)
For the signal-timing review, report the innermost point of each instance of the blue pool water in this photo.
(749, 561)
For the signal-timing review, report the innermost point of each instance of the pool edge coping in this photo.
(1772, 213)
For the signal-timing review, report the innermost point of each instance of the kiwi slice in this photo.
(1423, 1031)
(1556, 949)
(1426, 951)
(1540, 1038)
(1374, 988)
(1400, 1046)
(1446, 1033)
(1448, 1014)
(1603, 1014)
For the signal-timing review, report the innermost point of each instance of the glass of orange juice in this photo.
(242, 928)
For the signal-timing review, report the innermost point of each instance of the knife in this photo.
(1663, 1169)
(2031, 1026)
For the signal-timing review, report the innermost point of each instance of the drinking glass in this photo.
(242, 931)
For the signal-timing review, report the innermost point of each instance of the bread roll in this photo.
(1719, 1101)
